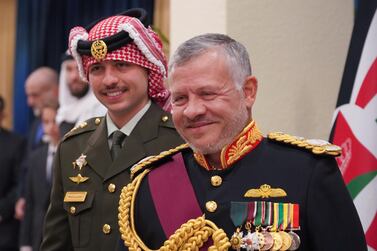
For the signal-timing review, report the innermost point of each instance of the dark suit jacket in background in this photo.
(79, 226)
(11, 153)
(37, 196)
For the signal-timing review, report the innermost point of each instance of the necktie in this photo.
(118, 138)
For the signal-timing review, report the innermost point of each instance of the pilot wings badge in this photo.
(265, 191)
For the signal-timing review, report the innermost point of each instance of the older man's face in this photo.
(76, 86)
(208, 110)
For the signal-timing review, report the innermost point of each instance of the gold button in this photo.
(83, 124)
(106, 229)
(216, 181)
(97, 121)
(111, 188)
(165, 118)
(211, 206)
(72, 210)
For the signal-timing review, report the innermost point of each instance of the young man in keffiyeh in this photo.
(123, 62)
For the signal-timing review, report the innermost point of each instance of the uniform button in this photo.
(111, 188)
(72, 210)
(164, 118)
(83, 124)
(216, 181)
(211, 206)
(106, 229)
(97, 121)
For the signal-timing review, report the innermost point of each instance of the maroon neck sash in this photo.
(173, 195)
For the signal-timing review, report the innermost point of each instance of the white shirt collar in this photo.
(130, 125)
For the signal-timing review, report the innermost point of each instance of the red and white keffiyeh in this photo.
(145, 51)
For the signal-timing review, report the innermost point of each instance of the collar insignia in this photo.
(78, 179)
(265, 191)
(80, 162)
(244, 143)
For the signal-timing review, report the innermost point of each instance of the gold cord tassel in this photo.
(190, 236)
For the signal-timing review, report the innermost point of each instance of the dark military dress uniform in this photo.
(83, 211)
(328, 219)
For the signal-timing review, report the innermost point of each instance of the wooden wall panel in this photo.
(8, 40)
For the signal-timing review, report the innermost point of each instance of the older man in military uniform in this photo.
(124, 63)
(234, 186)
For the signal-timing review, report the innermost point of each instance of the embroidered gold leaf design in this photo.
(265, 191)
(201, 160)
(243, 145)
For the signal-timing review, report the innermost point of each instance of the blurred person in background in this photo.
(40, 86)
(77, 102)
(38, 185)
(11, 152)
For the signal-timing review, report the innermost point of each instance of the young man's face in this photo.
(208, 111)
(120, 86)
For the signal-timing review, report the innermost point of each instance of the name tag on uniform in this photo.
(75, 196)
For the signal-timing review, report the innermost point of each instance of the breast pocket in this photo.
(80, 220)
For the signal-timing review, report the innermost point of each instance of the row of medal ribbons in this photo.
(263, 225)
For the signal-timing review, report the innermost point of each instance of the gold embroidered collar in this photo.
(246, 141)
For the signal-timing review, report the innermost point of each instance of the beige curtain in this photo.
(161, 22)
(8, 40)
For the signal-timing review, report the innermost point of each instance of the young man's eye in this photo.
(122, 64)
(94, 68)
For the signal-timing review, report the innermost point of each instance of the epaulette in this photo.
(316, 146)
(88, 125)
(147, 162)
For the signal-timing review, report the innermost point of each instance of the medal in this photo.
(286, 240)
(257, 240)
(238, 214)
(295, 241)
(236, 240)
(278, 242)
(268, 240)
(294, 211)
(80, 162)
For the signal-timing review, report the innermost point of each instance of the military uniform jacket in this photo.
(328, 218)
(92, 224)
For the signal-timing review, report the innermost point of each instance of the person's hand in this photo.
(19, 210)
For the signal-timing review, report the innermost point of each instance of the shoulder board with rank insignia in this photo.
(147, 162)
(88, 125)
(316, 146)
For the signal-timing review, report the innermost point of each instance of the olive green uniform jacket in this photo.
(92, 223)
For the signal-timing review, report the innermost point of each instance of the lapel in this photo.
(134, 150)
(97, 151)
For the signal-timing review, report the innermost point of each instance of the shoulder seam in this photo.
(85, 126)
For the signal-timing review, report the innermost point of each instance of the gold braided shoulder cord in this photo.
(190, 236)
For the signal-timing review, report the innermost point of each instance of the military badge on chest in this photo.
(264, 225)
(77, 196)
(79, 163)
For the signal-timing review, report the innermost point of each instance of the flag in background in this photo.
(355, 119)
